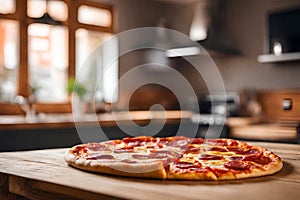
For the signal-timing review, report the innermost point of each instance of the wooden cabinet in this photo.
(280, 105)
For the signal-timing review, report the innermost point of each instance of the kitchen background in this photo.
(262, 89)
(246, 26)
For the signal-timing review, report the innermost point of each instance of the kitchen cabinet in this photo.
(266, 132)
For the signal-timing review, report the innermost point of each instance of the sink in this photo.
(40, 118)
(46, 118)
(12, 119)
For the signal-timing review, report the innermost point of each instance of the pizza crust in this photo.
(192, 176)
(146, 170)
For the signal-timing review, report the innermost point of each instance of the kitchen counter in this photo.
(60, 130)
(253, 129)
(43, 174)
(14, 122)
(271, 131)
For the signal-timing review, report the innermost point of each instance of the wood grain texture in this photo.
(37, 190)
(270, 131)
(46, 171)
(4, 193)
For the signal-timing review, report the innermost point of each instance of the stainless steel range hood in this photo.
(218, 42)
(208, 16)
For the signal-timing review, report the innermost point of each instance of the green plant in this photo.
(76, 87)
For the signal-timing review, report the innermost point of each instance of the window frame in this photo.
(72, 24)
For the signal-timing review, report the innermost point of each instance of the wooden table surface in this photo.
(43, 174)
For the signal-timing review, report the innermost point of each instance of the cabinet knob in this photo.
(287, 104)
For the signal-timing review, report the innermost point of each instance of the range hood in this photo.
(215, 40)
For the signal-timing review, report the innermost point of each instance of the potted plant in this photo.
(75, 87)
(78, 92)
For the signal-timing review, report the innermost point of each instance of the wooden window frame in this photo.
(72, 24)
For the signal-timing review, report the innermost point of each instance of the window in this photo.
(37, 57)
(94, 16)
(9, 58)
(48, 61)
(7, 6)
(86, 42)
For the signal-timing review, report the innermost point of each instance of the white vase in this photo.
(78, 106)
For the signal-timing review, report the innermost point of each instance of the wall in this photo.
(246, 23)
(132, 14)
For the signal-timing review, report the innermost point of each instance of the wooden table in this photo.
(43, 174)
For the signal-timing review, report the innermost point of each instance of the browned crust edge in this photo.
(144, 170)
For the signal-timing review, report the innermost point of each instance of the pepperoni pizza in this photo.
(176, 157)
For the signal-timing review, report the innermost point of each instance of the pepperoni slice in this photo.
(186, 165)
(138, 141)
(124, 150)
(163, 141)
(99, 157)
(128, 139)
(210, 157)
(219, 149)
(134, 142)
(232, 143)
(192, 149)
(180, 141)
(171, 153)
(237, 165)
(158, 155)
(252, 151)
(197, 141)
(140, 156)
(236, 157)
(128, 161)
(97, 147)
(237, 150)
(259, 159)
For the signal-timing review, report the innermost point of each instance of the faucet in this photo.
(26, 104)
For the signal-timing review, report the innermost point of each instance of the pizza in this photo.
(176, 157)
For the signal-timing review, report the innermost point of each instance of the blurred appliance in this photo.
(284, 30)
(283, 36)
(214, 109)
(220, 104)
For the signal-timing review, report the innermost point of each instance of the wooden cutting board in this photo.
(43, 174)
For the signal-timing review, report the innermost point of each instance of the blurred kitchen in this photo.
(44, 44)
